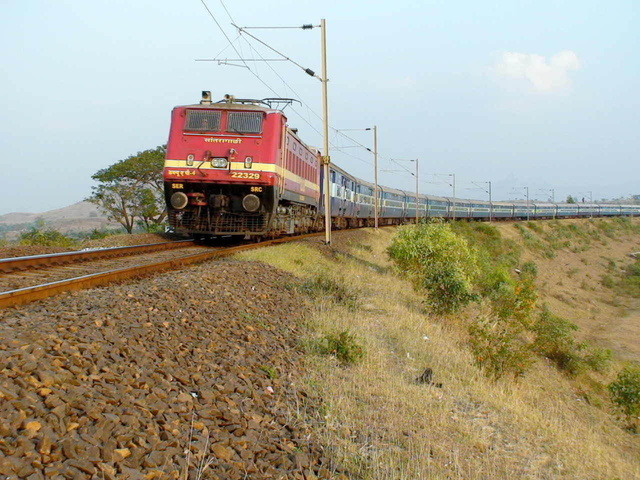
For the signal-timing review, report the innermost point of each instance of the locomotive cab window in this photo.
(245, 122)
(203, 120)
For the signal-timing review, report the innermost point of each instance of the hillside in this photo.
(79, 217)
(578, 263)
(419, 405)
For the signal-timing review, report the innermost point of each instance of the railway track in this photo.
(27, 279)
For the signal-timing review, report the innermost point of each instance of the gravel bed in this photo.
(126, 240)
(149, 379)
(30, 278)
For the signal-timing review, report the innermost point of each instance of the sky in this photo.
(537, 94)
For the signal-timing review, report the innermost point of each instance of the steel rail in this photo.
(34, 261)
(25, 295)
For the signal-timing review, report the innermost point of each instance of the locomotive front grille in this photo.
(204, 221)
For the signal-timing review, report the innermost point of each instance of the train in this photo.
(236, 168)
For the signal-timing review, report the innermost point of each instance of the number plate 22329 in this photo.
(248, 175)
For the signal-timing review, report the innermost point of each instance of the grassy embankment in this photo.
(587, 276)
(543, 420)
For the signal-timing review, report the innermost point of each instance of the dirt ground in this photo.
(571, 284)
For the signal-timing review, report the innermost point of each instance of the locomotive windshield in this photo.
(203, 120)
(214, 121)
(244, 122)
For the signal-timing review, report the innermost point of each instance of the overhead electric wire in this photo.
(272, 69)
(402, 166)
(297, 95)
(226, 10)
(241, 56)
(308, 71)
(303, 27)
(354, 141)
(222, 29)
(339, 149)
(244, 61)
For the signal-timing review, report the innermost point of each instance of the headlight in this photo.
(179, 200)
(251, 203)
(248, 161)
(190, 159)
(219, 162)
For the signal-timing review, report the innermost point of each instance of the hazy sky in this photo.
(542, 93)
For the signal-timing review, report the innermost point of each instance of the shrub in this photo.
(598, 359)
(342, 345)
(536, 227)
(529, 269)
(97, 234)
(534, 243)
(525, 300)
(611, 265)
(439, 261)
(38, 235)
(498, 346)
(323, 285)
(607, 281)
(515, 301)
(495, 280)
(488, 230)
(625, 391)
(554, 340)
(152, 227)
(269, 370)
(631, 281)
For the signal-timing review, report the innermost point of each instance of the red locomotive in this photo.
(235, 168)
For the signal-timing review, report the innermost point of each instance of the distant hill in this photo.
(79, 217)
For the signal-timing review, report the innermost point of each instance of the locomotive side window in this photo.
(203, 120)
(244, 122)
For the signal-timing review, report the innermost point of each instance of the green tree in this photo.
(149, 210)
(571, 199)
(132, 189)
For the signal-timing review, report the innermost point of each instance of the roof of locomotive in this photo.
(231, 106)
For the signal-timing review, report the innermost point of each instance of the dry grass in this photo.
(381, 424)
